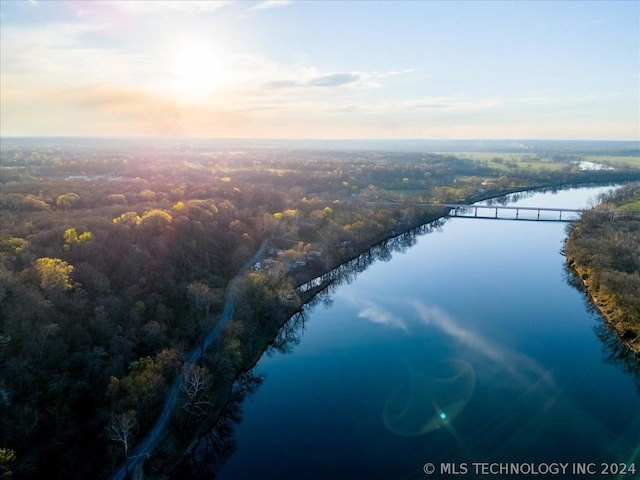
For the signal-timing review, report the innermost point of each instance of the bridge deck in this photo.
(537, 209)
(615, 214)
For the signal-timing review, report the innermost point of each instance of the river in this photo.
(470, 346)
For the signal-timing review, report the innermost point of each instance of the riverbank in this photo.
(628, 331)
(253, 345)
(401, 322)
(249, 337)
(604, 252)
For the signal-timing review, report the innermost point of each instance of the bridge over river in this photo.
(460, 209)
(501, 212)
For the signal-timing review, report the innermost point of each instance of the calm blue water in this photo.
(468, 347)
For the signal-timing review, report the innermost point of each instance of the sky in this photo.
(325, 69)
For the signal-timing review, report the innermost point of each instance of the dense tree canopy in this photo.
(114, 261)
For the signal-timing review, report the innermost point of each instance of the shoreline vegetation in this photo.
(116, 257)
(196, 455)
(209, 449)
(603, 249)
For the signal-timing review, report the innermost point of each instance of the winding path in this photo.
(145, 447)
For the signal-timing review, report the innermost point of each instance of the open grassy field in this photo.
(614, 160)
(507, 161)
(631, 203)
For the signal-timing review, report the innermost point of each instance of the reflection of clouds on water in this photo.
(518, 365)
(521, 409)
(439, 319)
(428, 401)
(375, 313)
(492, 399)
(424, 403)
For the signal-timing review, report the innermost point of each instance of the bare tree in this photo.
(196, 383)
(200, 297)
(120, 429)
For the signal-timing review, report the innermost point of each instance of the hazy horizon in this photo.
(414, 146)
(321, 70)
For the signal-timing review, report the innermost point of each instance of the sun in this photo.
(197, 72)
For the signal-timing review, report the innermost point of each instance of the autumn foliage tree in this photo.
(54, 273)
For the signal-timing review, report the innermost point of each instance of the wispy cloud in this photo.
(433, 108)
(334, 80)
(144, 49)
(390, 73)
(299, 76)
(282, 84)
(605, 19)
(59, 55)
(166, 6)
(270, 4)
(451, 104)
(327, 80)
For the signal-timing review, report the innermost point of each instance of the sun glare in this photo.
(197, 72)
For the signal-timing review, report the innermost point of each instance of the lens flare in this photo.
(424, 403)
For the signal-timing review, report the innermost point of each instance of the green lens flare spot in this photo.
(430, 398)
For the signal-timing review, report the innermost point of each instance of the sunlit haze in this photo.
(303, 69)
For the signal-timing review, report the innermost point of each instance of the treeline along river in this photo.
(472, 345)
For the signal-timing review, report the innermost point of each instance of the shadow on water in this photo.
(219, 444)
(214, 448)
(614, 350)
(617, 352)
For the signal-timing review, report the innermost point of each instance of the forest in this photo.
(604, 250)
(116, 257)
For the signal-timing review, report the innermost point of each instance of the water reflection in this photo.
(289, 335)
(518, 196)
(519, 410)
(375, 313)
(428, 401)
(455, 388)
(521, 367)
(615, 351)
(585, 165)
(216, 446)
